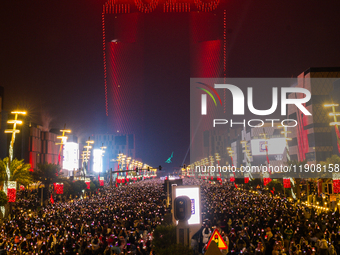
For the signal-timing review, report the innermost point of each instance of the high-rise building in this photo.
(313, 138)
(189, 43)
(42, 147)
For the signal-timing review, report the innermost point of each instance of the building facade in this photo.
(313, 139)
(42, 147)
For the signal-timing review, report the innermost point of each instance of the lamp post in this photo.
(119, 159)
(12, 131)
(206, 162)
(63, 139)
(247, 156)
(202, 164)
(85, 162)
(231, 154)
(211, 162)
(285, 132)
(218, 159)
(335, 122)
(266, 144)
(128, 159)
(85, 157)
(132, 165)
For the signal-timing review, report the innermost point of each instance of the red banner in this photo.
(101, 181)
(88, 185)
(59, 188)
(11, 195)
(286, 183)
(232, 178)
(336, 186)
(266, 181)
(246, 179)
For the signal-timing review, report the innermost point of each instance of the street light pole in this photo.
(63, 140)
(335, 123)
(11, 148)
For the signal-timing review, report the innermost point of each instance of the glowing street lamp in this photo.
(86, 156)
(247, 155)
(266, 144)
(12, 131)
(231, 154)
(335, 123)
(63, 140)
(128, 159)
(285, 132)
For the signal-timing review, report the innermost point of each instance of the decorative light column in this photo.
(211, 163)
(87, 147)
(63, 139)
(218, 158)
(247, 155)
(335, 122)
(12, 131)
(128, 159)
(206, 163)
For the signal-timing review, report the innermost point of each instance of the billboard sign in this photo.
(193, 192)
(97, 160)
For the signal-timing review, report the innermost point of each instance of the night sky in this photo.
(51, 62)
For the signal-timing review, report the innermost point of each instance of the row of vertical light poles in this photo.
(205, 162)
(86, 156)
(127, 163)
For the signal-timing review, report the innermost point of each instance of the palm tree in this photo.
(47, 174)
(19, 171)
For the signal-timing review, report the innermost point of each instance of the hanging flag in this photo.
(52, 200)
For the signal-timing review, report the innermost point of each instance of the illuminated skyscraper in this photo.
(155, 46)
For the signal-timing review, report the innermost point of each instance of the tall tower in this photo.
(141, 43)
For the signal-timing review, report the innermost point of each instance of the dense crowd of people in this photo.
(122, 220)
(253, 223)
